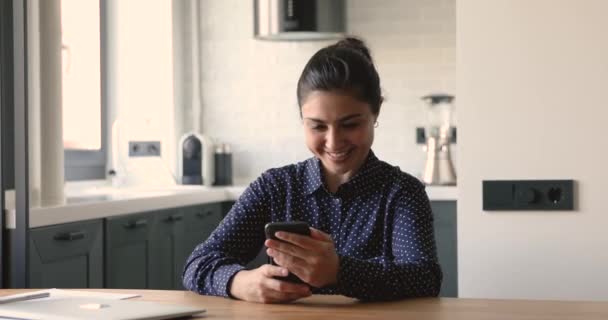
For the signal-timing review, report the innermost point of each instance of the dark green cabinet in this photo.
(149, 250)
(200, 222)
(168, 250)
(444, 214)
(67, 256)
(128, 250)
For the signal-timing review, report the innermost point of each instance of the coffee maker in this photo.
(439, 169)
(196, 159)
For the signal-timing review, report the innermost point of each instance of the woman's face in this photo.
(339, 130)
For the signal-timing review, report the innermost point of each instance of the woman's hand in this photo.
(313, 259)
(258, 285)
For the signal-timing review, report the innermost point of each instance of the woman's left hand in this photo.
(313, 259)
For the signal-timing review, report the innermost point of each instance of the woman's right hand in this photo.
(258, 285)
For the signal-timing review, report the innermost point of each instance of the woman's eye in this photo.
(318, 128)
(351, 125)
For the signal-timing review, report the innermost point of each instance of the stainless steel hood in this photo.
(299, 19)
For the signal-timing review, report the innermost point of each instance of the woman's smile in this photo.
(339, 156)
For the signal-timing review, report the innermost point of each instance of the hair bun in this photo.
(355, 44)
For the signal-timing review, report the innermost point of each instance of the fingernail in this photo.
(279, 234)
(269, 252)
(284, 272)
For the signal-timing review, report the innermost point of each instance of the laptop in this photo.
(95, 308)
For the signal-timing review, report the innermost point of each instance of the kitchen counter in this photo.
(102, 202)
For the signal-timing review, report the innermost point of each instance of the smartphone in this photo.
(297, 227)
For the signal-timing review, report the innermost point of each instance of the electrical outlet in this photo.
(528, 195)
(144, 148)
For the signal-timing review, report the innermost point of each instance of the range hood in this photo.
(299, 19)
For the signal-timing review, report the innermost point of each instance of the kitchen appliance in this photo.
(439, 169)
(195, 159)
(299, 19)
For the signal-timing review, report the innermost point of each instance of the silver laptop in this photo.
(95, 308)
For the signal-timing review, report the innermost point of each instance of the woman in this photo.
(371, 224)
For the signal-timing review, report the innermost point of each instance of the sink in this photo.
(100, 194)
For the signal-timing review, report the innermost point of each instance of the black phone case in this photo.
(297, 227)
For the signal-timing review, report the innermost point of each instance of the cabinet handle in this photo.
(69, 236)
(204, 214)
(136, 224)
(174, 217)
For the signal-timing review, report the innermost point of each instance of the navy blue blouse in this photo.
(380, 221)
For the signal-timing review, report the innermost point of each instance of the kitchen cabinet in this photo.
(445, 226)
(67, 256)
(148, 250)
(226, 206)
(128, 251)
(145, 250)
(200, 221)
(167, 243)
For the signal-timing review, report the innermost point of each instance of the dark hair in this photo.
(345, 66)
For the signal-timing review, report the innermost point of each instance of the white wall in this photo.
(532, 81)
(141, 94)
(249, 86)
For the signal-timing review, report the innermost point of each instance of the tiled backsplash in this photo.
(248, 86)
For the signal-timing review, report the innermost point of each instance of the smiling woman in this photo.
(372, 229)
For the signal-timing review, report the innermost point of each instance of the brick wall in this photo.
(248, 86)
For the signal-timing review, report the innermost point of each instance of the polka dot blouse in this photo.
(380, 221)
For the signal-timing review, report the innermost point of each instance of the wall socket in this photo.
(144, 148)
(528, 195)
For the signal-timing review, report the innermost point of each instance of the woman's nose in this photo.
(334, 139)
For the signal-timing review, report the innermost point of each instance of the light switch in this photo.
(528, 195)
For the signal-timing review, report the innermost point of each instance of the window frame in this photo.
(80, 164)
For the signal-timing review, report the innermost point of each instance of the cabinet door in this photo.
(200, 222)
(444, 214)
(167, 257)
(226, 206)
(128, 251)
(67, 256)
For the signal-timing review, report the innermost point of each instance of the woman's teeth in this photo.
(338, 155)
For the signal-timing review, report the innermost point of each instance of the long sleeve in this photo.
(380, 221)
(408, 267)
(236, 241)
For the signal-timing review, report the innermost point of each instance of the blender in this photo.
(439, 169)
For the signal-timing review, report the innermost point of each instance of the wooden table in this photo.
(337, 307)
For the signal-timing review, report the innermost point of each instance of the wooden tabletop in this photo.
(337, 307)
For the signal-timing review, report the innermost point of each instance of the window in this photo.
(82, 89)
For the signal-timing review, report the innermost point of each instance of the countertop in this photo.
(102, 202)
